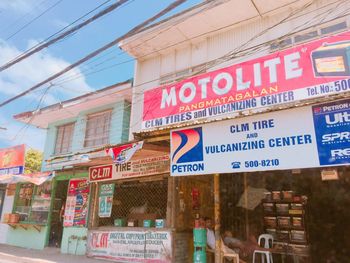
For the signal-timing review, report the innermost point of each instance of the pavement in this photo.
(11, 254)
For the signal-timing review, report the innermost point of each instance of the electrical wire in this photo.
(34, 19)
(64, 34)
(98, 51)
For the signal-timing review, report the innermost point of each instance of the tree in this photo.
(33, 160)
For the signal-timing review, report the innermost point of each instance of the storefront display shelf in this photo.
(27, 225)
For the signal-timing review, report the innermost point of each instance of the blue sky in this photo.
(15, 14)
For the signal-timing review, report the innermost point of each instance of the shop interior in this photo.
(307, 216)
(137, 203)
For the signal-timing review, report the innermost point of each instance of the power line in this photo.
(64, 34)
(98, 51)
(61, 30)
(34, 19)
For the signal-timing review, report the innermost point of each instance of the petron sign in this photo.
(307, 71)
(305, 137)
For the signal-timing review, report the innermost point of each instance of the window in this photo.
(97, 129)
(64, 138)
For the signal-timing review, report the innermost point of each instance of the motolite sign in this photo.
(307, 71)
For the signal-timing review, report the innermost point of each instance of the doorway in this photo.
(2, 197)
(59, 202)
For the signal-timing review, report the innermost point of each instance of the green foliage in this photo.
(33, 160)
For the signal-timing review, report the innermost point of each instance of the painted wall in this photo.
(29, 238)
(7, 208)
(74, 240)
(119, 129)
(207, 48)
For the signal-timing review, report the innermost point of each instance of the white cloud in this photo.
(35, 69)
(18, 6)
(19, 133)
(23, 76)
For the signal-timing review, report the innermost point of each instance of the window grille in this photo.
(138, 200)
(64, 138)
(97, 129)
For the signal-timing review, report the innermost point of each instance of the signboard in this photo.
(131, 246)
(136, 168)
(124, 153)
(12, 160)
(105, 200)
(76, 208)
(307, 71)
(303, 137)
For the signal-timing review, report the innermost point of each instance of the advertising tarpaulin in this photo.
(34, 178)
(12, 160)
(305, 137)
(105, 199)
(123, 153)
(307, 71)
(131, 246)
(76, 208)
(135, 168)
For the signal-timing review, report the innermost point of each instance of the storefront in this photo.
(132, 216)
(284, 173)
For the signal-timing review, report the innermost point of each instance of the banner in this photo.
(34, 178)
(76, 208)
(105, 200)
(124, 153)
(136, 168)
(12, 160)
(307, 71)
(303, 137)
(148, 246)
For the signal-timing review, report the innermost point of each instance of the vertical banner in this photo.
(332, 127)
(76, 209)
(12, 160)
(106, 192)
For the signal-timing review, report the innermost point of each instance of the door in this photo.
(2, 197)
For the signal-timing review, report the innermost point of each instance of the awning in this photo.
(34, 178)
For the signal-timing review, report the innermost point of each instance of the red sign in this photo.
(12, 160)
(100, 172)
(302, 72)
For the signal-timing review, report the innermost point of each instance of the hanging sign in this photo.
(12, 160)
(148, 246)
(123, 154)
(307, 71)
(106, 192)
(76, 208)
(303, 137)
(135, 168)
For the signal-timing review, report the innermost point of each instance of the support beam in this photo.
(217, 217)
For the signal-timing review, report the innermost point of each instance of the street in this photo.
(10, 254)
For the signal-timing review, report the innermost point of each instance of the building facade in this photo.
(253, 97)
(79, 130)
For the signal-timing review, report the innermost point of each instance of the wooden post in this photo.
(170, 213)
(246, 205)
(217, 217)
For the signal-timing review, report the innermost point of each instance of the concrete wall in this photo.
(210, 47)
(29, 238)
(74, 240)
(7, 208)
(119, 130)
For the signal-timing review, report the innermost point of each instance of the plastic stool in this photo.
(224, 255)
(267, 238)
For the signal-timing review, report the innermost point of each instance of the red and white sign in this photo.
(124, 153)
(311, 70)
(136, 168)
(12, 160)
(99, 173)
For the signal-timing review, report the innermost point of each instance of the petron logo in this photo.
(187, 147)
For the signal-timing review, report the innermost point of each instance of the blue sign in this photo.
(13, 170)
(332, 128)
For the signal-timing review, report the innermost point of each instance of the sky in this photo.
(24, 23)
